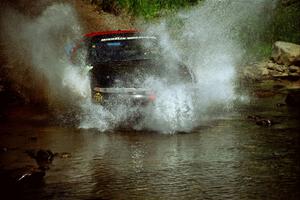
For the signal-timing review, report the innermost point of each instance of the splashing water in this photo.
(41, 45)
(38, 43)
(207, 41)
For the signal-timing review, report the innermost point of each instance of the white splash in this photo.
(206, 41)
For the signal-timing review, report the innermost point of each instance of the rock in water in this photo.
(286, 53)
(264, 122)
(261, 121)
(43, 157)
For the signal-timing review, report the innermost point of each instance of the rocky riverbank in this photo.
(284, 64)
(281, 71)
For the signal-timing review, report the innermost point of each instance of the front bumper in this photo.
(129, 96)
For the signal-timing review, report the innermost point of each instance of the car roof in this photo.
(113, 32)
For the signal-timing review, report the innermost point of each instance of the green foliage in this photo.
(257, 37)
(286, 23)
(147, 9)
(259, 51)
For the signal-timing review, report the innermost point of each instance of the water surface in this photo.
(226, 158)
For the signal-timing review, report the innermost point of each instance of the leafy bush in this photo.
(148, 9)
(257, 37)
(154, 8)
(286, 23)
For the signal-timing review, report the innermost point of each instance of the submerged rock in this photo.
(286, 53)
(261, 121)
(264, 122)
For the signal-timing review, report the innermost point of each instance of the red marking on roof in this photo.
(110, 32)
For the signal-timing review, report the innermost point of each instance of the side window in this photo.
(78, 53)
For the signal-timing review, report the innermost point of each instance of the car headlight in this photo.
(98, 97)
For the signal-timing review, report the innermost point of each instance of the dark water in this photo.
(227, 158)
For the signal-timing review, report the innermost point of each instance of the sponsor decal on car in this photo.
(128, 38)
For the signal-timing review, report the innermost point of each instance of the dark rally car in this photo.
(122, 60)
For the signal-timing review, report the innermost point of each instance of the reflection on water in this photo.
(229, 158)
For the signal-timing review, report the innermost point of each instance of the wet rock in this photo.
(64, 155)
(252, 72)
(283, 72)
(286, 53)
(287, 76)
(261, 121)
(264, 122)
(45, 155)
(275, 67)
(294, 69)
(271, 65)
(42, 157)
(265, 72)
(280, 75)
(270, 70)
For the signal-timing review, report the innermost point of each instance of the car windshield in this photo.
(102, 50)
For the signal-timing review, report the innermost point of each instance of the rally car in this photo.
(122, 60)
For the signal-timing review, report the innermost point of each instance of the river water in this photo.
(226, 158)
